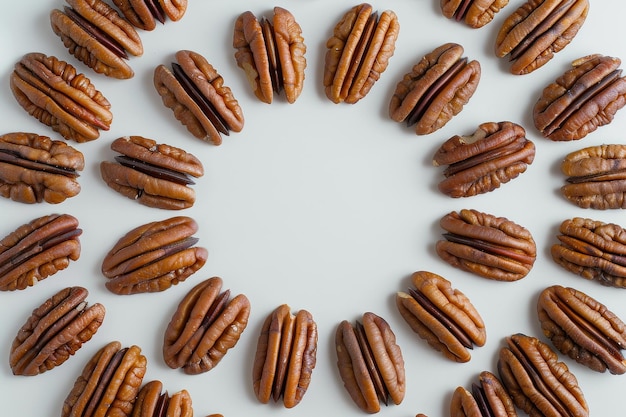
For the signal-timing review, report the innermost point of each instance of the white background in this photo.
(324, 207)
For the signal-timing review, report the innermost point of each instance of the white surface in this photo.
(321, 206)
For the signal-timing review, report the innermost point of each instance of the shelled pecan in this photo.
(474, 13)
(144, 14)
(488, 398)
(153, 402)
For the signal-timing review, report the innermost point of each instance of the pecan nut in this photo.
(144, 14)
(489, 246)
(474, 13)
(537, 30)
(271, 54)
(370, 362)
(442, 315)
(435, 90)
(154, 256)
(196, 93)
(153, 402)
(285, 356)
(488, 398)
(479, 163)
(537, 382)
(156, 175)
(37, 250)
(358, 52)
(55, 331)
(35, 168)
(53, 92)
(584, 98)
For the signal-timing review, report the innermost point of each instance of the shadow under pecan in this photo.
(474, 13)
(144, 14)
(488, 398)
(153, 402)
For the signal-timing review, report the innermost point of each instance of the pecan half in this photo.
(55, 331)
(153, 402)
(479, 163)
(285, 356)
(486, 245)
(37, 250)
(442, 315)
(592, 249)
(358, 52)
(488, 398)
(145, 13)
(584, 98)
(370, 362)
(207, 323)
(154, 256)
(271, 54)
(196, 93)
(537, 30)
(538, 383)
(435, 90)
(53, 92)
(474, 13)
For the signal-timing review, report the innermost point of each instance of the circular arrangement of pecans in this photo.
(532, 374)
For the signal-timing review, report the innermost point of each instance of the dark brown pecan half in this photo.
(584, 98)
(486, 245)
(479, 163)
(592, 249)
(358, 52)
(442, 315)
(154, 256)
(435, 90)
(272, 54)
(285, 356)
(488, 398)
(538, 383)
(37, 250)
(475, 13)
(145, 13)
(196, 93)
(153, 402)
(55, 331)
(206, 324)
(53, 92)
(370, 362)
(537, 30)
(108, 384)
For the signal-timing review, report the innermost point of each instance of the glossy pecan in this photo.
(442, 315)
(370, 362)
(474, 13)
(53, 92)
(207, 323)
(55, 331)
(153, 402)
(584, 98)
(537, 30)
(435, 90)
(479, 163)
(537, 382)
(145, 13)
(285, 356)
(488, 398)
(592, 249)
(486, 245)
(196, 93)
(154, 256)
(358, 52)
(271, 54)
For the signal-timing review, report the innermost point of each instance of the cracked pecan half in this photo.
(152, 401)
(474, 13)
(488, 398)
(144, 14)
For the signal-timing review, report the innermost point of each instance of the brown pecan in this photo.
(592, 249)
(435, 90)
(53, 92)
(156, 175)
(98, 36)
(442, 315)
(537, 30)
(596, 177)
(584, 98)
(37, 250)
(488, 398)
(206, 324)
(285, 356)
(358, 52)
(154, 256)
(153, 402)
(479, 163)
(486, 245)
(370, 362)
(145, 13)
(537, 382)
(55, 331)
(108, 384)
(35, 168)
(196, 93)
(583, 328)
(475, 13)
(271, 54)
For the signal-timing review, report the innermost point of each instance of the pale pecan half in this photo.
(474, 13)
(153, 402)
(206, 324)
(488, 398)
(145, 13)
